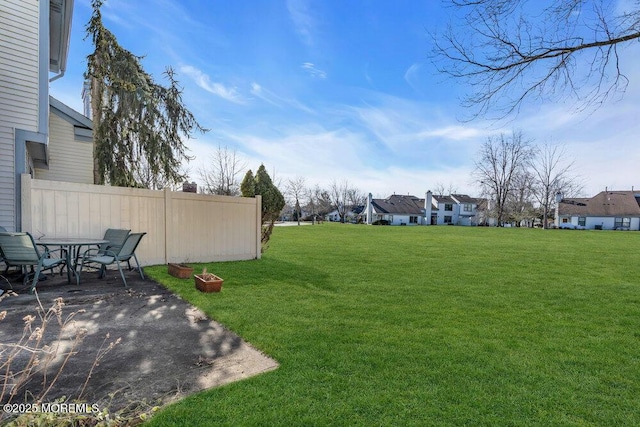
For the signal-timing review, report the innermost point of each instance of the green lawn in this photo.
(429, 326)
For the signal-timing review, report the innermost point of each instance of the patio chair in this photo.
(107, 257)
(19, 249)
(115, 238)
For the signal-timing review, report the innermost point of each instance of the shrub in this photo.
(381, 222)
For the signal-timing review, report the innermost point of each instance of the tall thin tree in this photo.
(137, 122)
(296, 190)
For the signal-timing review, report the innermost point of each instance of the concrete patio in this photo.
(167, 348)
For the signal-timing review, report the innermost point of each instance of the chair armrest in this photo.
(87, 253)
(97, 251)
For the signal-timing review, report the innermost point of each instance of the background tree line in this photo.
(521, 179)
(302, 201)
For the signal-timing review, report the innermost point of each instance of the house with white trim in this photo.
(455, 209)
(39, 135)
(394, 210)
(607, 210)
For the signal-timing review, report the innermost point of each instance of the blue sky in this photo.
(343, 90)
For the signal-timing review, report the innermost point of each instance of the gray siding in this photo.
(19, 83)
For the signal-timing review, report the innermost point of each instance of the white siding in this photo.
(19, 20)
(69, 160)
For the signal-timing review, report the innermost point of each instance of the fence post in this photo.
(25, 203)
(258, 226)
(168, 215)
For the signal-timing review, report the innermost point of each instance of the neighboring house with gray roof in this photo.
(607, 210)
(455, 209)
(396, 209)
(33, 53)
(466, 209)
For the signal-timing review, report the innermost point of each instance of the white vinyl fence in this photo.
(180, 227)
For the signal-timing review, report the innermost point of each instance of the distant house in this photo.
(607, 210)
(349, 216)
(455, 209)
(34, 51)
(396, 210)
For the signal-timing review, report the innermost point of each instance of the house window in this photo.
(623, 222)
(468, 207)
(582, 221)
(448, 207)
(447, 219)
(413, 219)
(565, 220)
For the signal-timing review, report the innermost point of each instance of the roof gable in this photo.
(82, 126)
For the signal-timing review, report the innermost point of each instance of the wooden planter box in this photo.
(212, 285)
(181, 271)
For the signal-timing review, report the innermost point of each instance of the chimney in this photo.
(369, 208)
(86, 98)
(559, 197)
(557, 218)
(427, 207)
(189, 188)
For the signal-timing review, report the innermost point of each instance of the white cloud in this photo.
(303, 21)
(313, 71)
(218, 89)
(278, 101)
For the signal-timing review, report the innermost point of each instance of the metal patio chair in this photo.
(20, 250)
(115, 237)
(103, 258)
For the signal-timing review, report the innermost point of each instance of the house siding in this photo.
(69, 160)
(604, 222)
(19, 84)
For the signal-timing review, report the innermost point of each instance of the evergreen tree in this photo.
(248, 185)
(138, 125)
(272, 199)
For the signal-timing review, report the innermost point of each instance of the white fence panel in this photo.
(180, 227)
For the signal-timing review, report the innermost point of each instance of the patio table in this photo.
(72, 246)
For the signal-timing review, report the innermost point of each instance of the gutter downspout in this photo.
(56, 77)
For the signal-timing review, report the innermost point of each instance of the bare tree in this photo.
(343, 197)
(356, 198)
(296, 189)
(223, 176)
(318, 202)
(501, 159)
(552, 174)
(520, 201)
(513, 50)
(444, 191)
